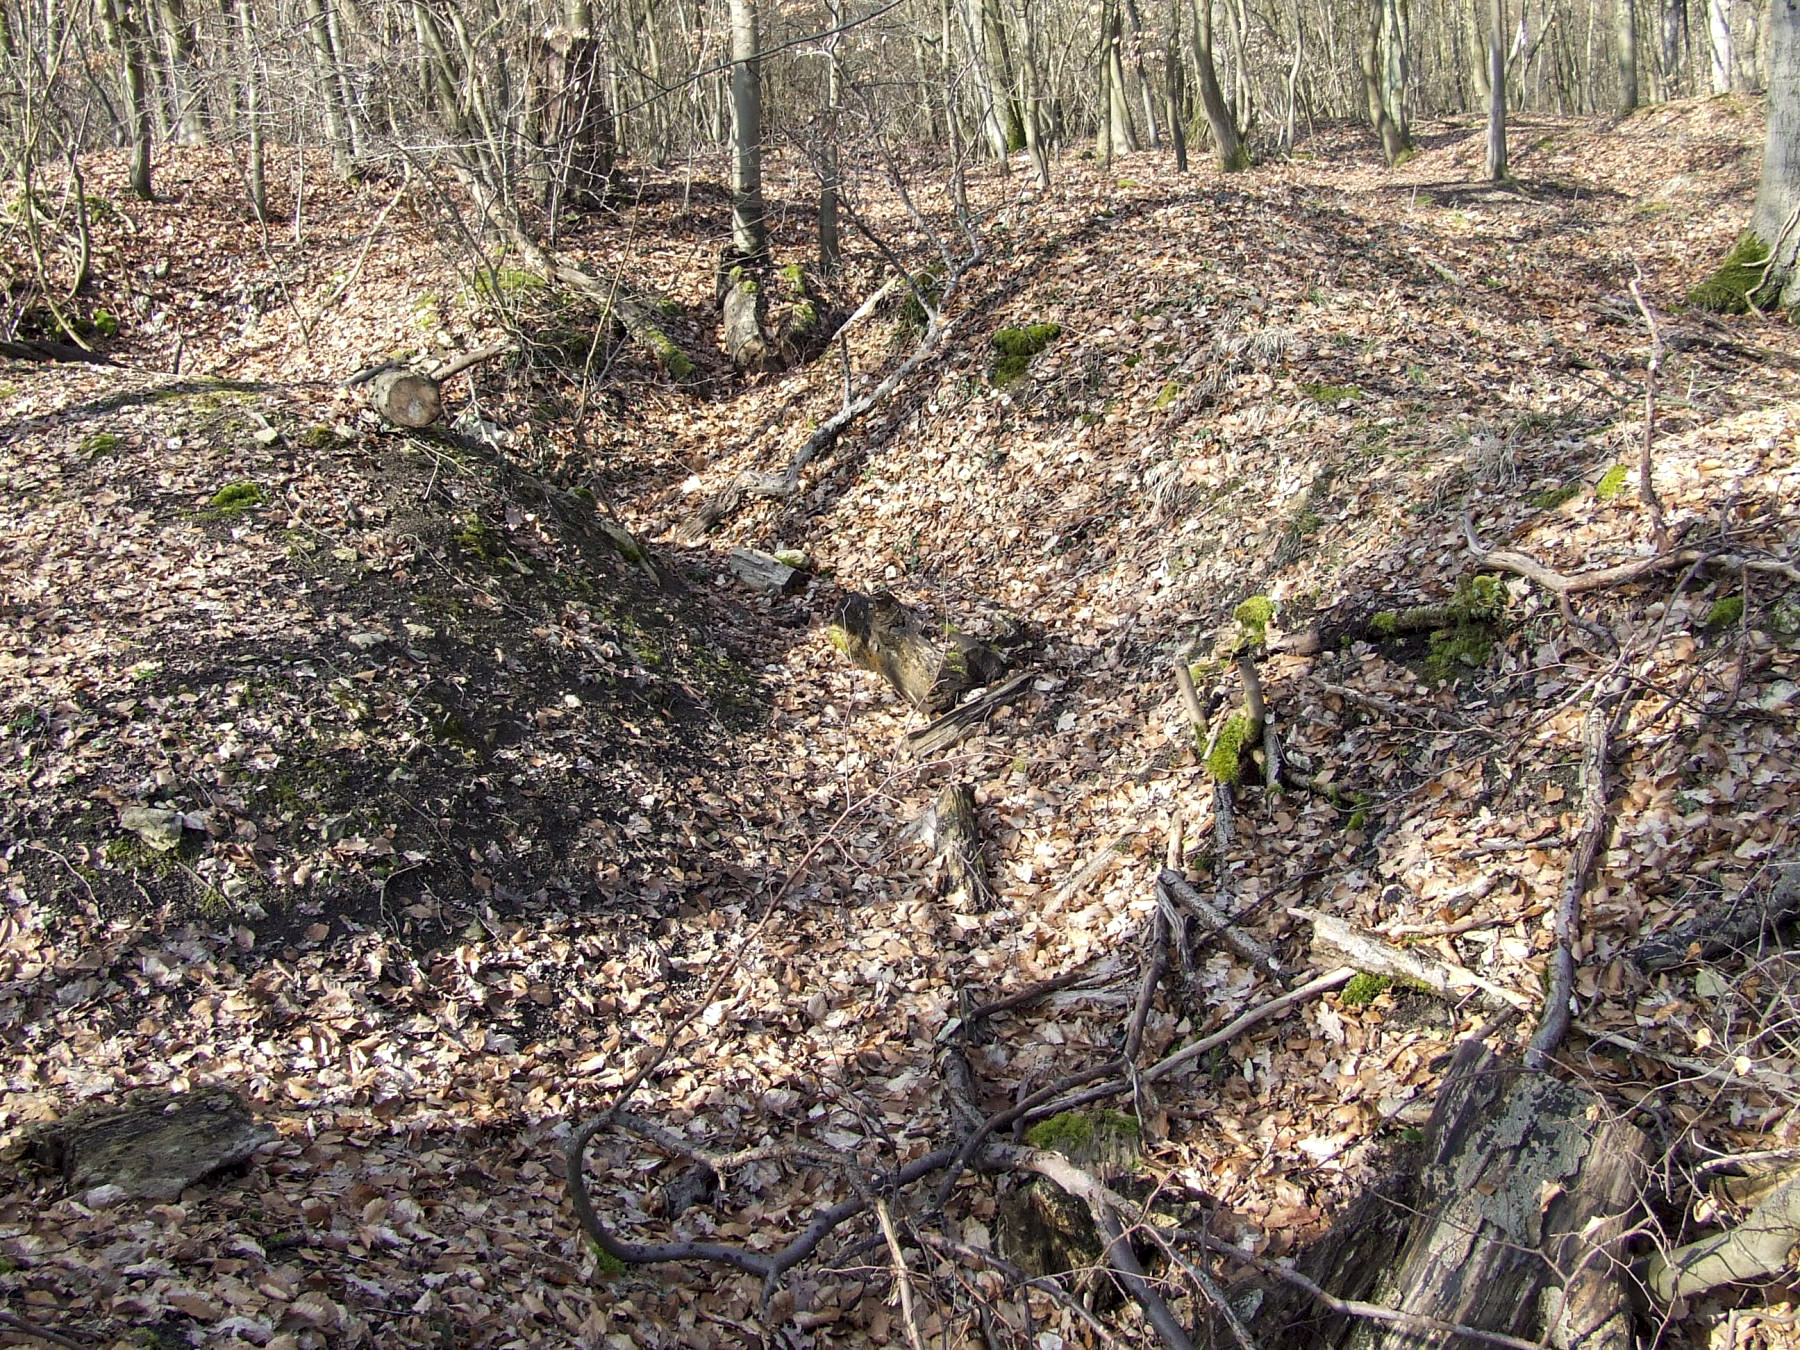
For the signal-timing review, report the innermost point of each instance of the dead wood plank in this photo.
(958, 840)
(764, 572)
(953, 726)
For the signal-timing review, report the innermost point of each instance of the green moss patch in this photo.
(1014, 348)
(1741, 282)
(100, 443)
(234, 499)
(1331, 395)
(1453, 650)
(1363, 989)
(1551, 498)
(1726, 612)
(1611, 483)
(1083, 1135)
(1226, 762)
(1253, 617)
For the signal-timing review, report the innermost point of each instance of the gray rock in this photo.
(159, 828)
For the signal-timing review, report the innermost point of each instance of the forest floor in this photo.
(473, 809)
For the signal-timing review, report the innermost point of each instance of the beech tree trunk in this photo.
(749, 222)
(1496, 134)
(1625, 22)
(1776, 218)
(1228, 144)
(578, 124)
(127, 38)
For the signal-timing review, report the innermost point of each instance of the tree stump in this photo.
(931, 671)
(1526, 1191)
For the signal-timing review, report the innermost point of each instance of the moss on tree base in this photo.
(1742, 282)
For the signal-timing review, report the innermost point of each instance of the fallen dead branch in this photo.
(1351, 1307)
(1408, 965)
(716, 509)
(1172, 884)
(1739, 923)
(1561, 586)
(979, 1148)
(1598, 729)
(24, 1328)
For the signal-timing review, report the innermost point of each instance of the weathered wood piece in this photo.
(957, 838)
(931, 671)
(1363, 1242)
(765, 573)
(153, 1145)
(964, 721)
(1755, 1249)
(405, 397)
(1174, 887)
(742, 305)
(1735, 924)
(1524, 1177)
(1367, 952)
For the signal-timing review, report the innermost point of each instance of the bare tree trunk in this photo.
(1175, 93)
(1625, 23)
(577, 123)
(1378, 65)
(1724, 63)
(749, 222)
(325, 63)
(981, 70)
(1146, 93)
(1031, 101)
(1496, 137)
(1118, 105)
(1775, 221)
(252, 75)
(1228, 144)
(185, 119)
(127, 39)
(829, 247)
(999, 70)
(1674, 20)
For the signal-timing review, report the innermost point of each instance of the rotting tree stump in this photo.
(1527, 1188)
(931, 670)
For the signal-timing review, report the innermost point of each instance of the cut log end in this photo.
(405, 398)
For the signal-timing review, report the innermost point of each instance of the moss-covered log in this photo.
(930, 669)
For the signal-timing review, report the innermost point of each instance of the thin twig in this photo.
(1659, 526)
(19, 1324)
(902, 1276)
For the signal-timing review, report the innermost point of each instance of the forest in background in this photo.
(767, 676)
